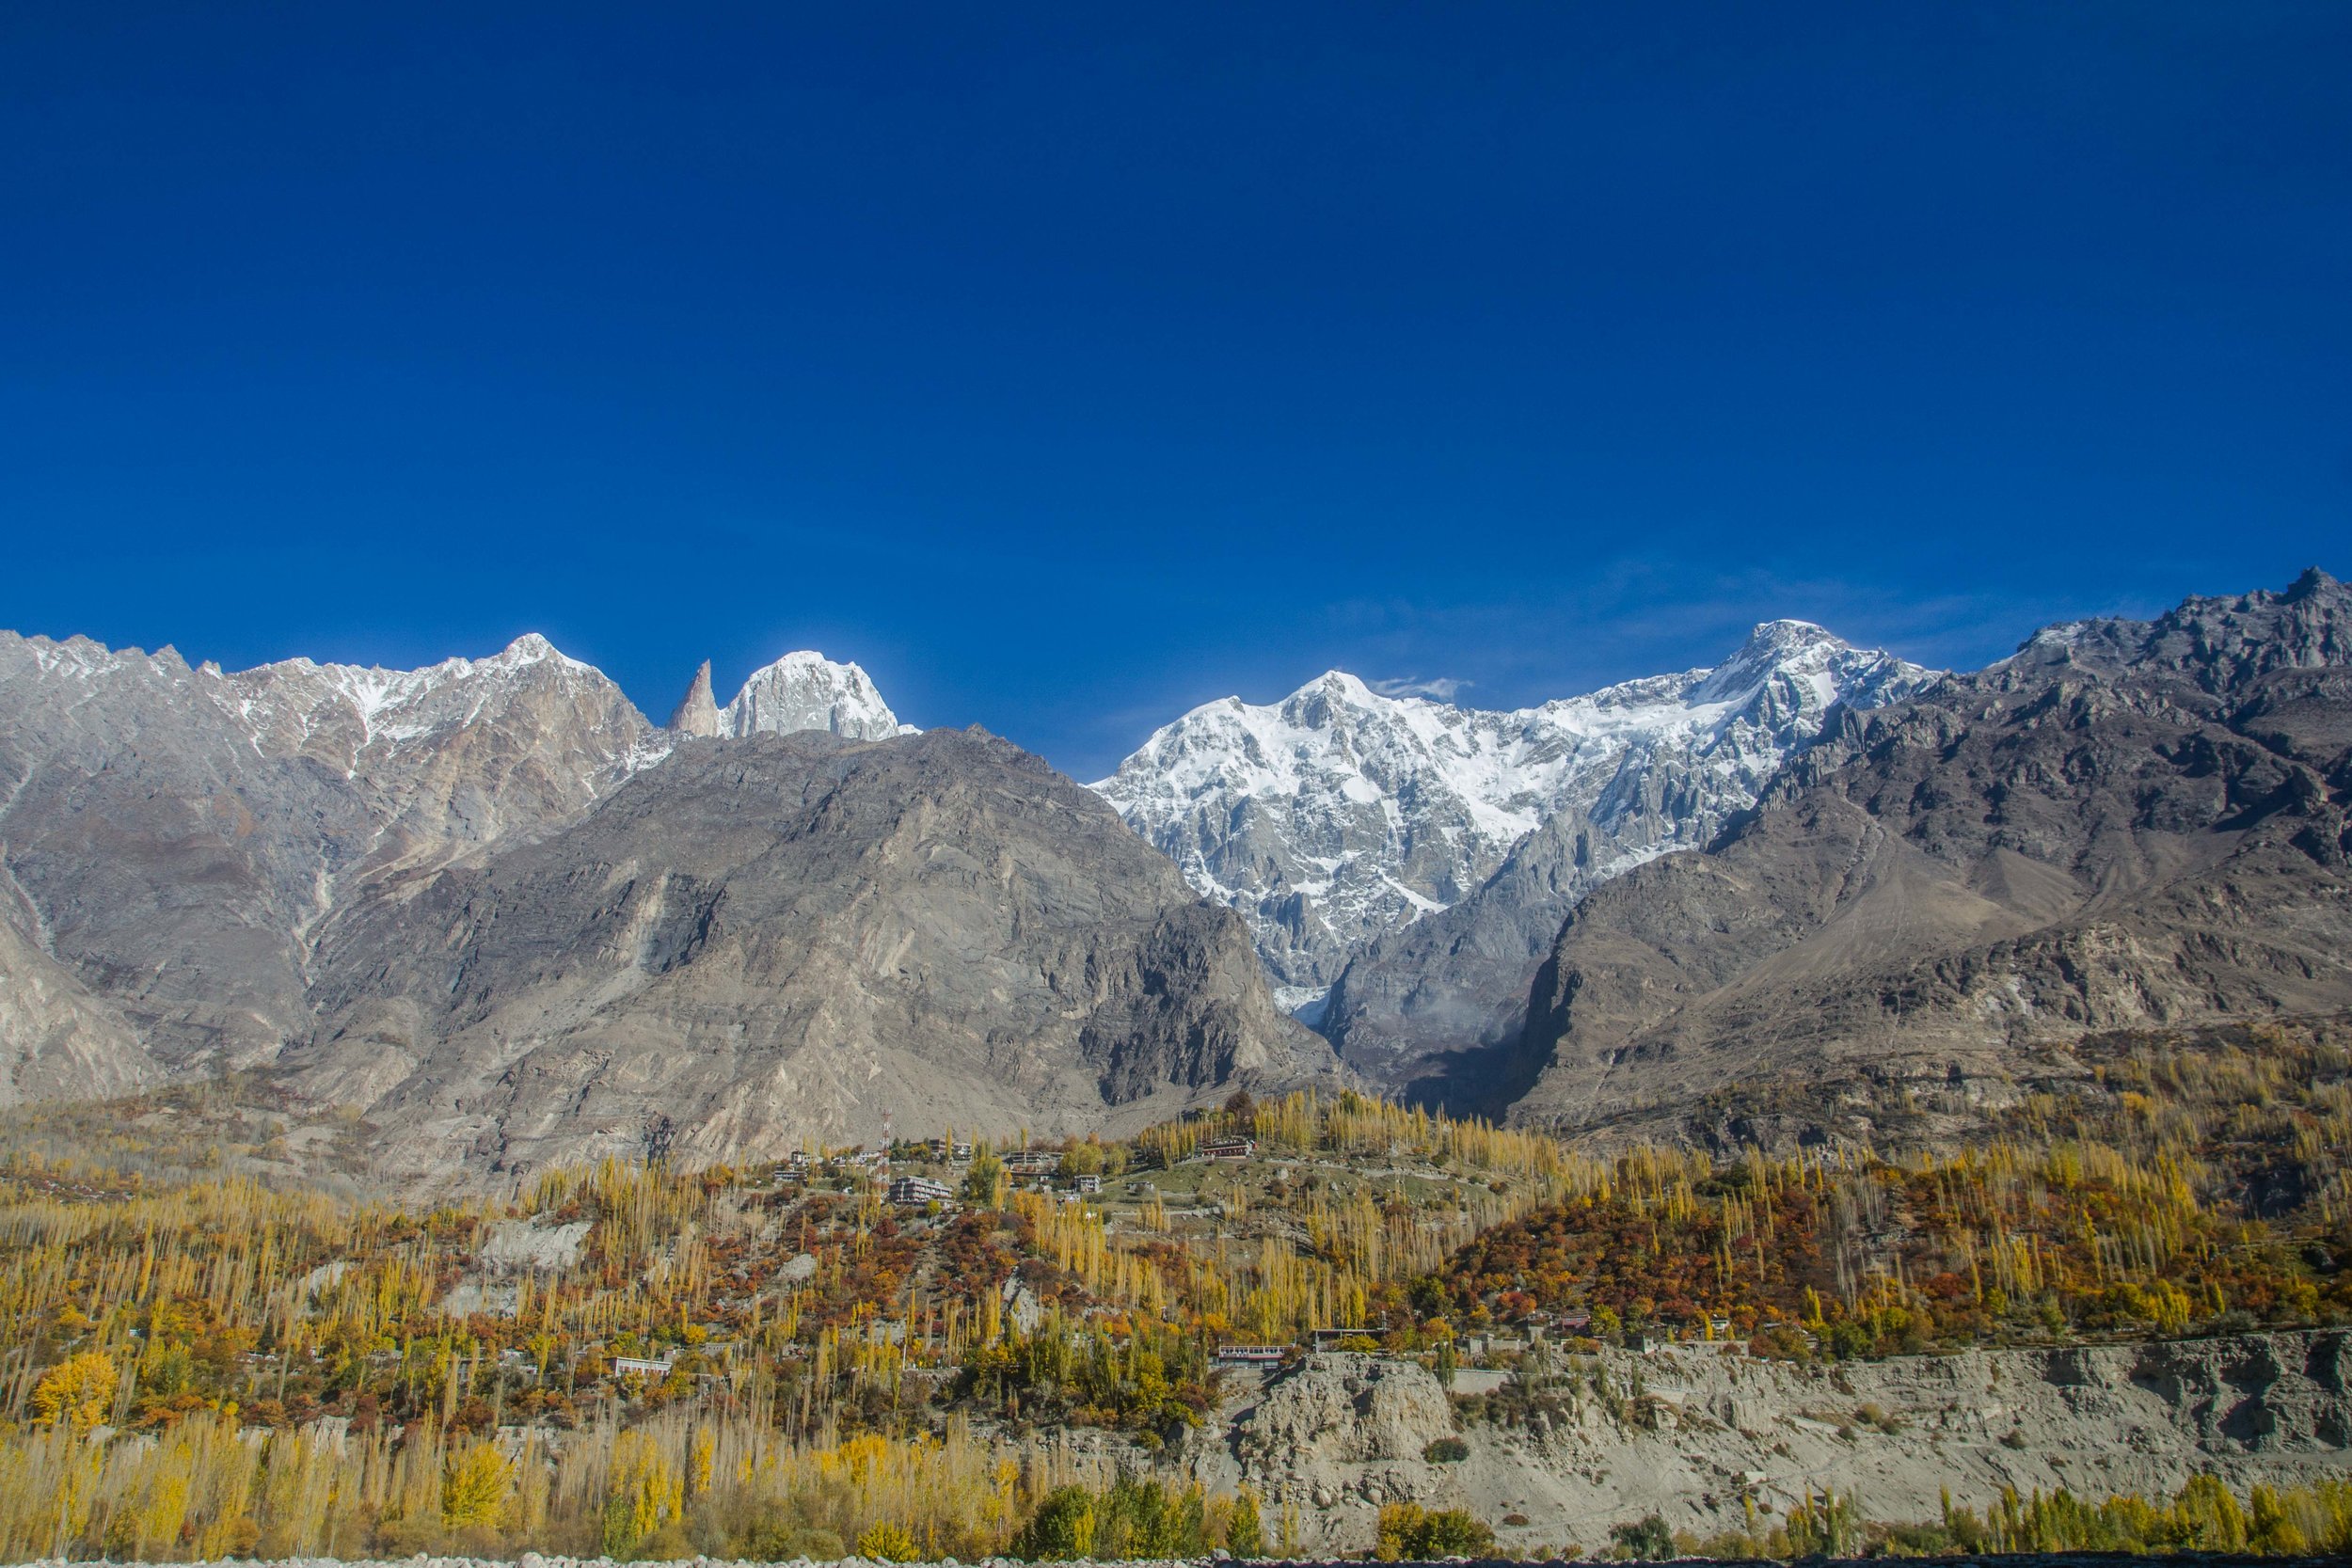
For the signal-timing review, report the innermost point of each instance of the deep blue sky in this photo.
(1071, 366)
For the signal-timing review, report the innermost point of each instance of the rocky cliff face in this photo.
(697, 712)
(2126, 823)
(462, 752)
(174, 836)
(1697, 1434)
(781, 938)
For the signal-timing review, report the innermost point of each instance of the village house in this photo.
(914, 1191)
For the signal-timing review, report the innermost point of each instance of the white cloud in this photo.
(1441, 687)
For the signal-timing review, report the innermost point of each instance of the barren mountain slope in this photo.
(763, 940)
(1712, 1442)
(2126, 822)
(57, 1041)
(175, 833)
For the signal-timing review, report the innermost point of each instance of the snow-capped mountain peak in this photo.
(1772, 648)
(1337, 813)
(803, 690)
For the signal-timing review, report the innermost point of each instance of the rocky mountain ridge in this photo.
(2126, 823)
(173, 835)
(778, 939)
(1908, 873)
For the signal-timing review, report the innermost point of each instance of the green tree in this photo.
(1407, 1531)
(1138, 1518)
(884, 1542)
(1646, 1540)
(1826, 1525)
(2206, 1519)
(1454, 1532)
(474, 1485)
(1060, 1530)
(1245, 1531)
(984, 1181)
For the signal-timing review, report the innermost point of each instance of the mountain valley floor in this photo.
(2106, 1307)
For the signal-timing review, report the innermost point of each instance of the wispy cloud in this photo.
(1441, 687)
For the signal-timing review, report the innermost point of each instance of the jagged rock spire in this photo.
(697, 712)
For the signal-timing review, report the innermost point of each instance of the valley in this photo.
(448, 1113)
(2121, 1283)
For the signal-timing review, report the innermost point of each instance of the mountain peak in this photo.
(1779, 639)
(697, 712)
(1776, 648)
(530, 648)
(1338, 684)
(2314, 581)
(806, 691)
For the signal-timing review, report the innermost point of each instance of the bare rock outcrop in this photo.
(1699, 1436)
(57, 1041)
(1344, 1410)
(697, 712)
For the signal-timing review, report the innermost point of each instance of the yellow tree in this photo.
(473, 1487)
(77, 1392)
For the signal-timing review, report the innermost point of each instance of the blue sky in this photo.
(1068, 366)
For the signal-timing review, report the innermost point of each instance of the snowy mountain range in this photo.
(1401, 863)
(1339, 816)
(490, 903)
